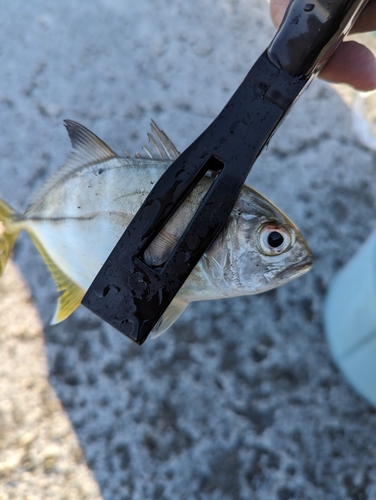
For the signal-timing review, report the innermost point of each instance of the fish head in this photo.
(260, 249)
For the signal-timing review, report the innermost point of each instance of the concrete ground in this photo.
(240, 399)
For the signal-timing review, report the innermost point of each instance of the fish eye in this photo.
(273, 239)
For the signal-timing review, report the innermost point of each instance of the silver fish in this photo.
(79, 214)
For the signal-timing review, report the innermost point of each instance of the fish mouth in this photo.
(296, 269)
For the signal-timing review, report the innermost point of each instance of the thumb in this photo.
(277, 10)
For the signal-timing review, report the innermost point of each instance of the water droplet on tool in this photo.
(309, 7)
(137, 283)
(111, 288)
(127, 326)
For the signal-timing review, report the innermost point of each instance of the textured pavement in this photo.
(239, 400)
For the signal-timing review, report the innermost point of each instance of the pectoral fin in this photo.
(72, 294)
(171, 314)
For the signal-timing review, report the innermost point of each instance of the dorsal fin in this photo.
(160, 147)
(88, 149)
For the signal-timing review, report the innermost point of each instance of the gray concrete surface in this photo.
(239, 400)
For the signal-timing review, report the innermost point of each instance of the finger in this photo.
(277, 10)
(351, 63)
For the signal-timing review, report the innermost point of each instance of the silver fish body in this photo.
(81, 212)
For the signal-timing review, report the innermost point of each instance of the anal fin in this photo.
(67, 303)
(72, 294)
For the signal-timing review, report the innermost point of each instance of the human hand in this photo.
(352, 62)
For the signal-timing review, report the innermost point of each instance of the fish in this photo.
(76, 218)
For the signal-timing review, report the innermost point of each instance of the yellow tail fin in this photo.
(72, 294)
(8, 234)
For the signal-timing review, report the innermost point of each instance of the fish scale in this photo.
(77, 217)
